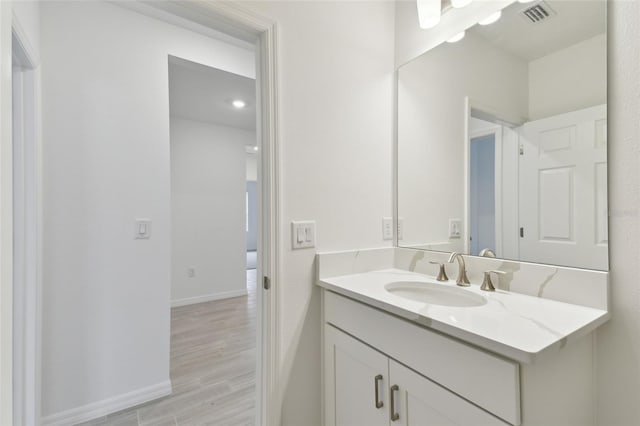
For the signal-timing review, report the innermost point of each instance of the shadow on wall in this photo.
(302, 389)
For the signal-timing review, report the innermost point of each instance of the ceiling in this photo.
(574, 21)
(201, 93)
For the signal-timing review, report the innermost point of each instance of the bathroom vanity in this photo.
(501, 152)
(402, 348)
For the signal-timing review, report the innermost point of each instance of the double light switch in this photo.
(303, 234)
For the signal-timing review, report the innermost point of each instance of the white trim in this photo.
(208, 298)
(26, 247)
(466, 246)
(6, 219)
(108, 406)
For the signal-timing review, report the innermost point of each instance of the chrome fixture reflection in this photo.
(487, 252)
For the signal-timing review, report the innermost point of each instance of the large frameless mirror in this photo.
(502, 138)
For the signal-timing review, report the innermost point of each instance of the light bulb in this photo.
(456, 38)
(460, 3)
(491, 18)
(428, 13)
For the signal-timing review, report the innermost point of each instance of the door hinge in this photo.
(521, 150)
(266, 283)
(521, 232)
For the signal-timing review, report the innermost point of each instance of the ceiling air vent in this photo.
(538, 13)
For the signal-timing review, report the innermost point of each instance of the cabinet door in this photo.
(351, 369)
(420, 402)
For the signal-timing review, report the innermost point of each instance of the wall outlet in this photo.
(191, 272)
(400, 228)
(387, 228)
(455, 228)
(303, 234)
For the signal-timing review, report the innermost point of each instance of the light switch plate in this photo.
(142, 229)
(303, 234)
(455, 228)
(387, 228)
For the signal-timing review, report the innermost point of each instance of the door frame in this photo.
(27, 211)
(501, 119)
(496, 132)
(236, 21)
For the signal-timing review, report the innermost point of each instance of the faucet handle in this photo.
(442, 274)
(487, 285)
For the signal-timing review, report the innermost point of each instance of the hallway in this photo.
(212, 367)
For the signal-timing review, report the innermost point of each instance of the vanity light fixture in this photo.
(429, 12)
(491, 18)
(458, 4)
(456, 37)
(238, 103)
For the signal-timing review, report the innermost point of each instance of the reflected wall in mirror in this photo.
(502, 139)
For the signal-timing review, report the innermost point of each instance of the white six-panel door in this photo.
(563, 189)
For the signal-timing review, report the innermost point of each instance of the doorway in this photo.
(482, 194)
(95, 274)
(213, 293)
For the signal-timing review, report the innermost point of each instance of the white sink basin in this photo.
(435, 294)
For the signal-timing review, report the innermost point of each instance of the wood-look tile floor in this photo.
(213, 359)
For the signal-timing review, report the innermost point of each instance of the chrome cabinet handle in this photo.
(376, 380)
(394, 416)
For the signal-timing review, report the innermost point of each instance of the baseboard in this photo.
(208, 297)
(108, 406)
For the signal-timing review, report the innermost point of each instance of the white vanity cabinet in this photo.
(365, 387)
(429, 378)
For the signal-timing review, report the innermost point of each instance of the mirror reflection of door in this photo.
(482, 173)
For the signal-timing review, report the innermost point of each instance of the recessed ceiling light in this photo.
(491, 18)
(456, 37)
(238, 103)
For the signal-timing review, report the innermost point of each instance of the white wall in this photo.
(252, 167)
(106, 162)
(569, 79)
(618, 341)
(431, 129)
(336, 109)
(208, 185)
(27, 14)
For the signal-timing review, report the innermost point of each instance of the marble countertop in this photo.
(514, 325)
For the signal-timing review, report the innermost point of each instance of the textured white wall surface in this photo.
(618, 342)
(208, 227)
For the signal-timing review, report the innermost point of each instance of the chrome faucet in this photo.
(462, 280)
